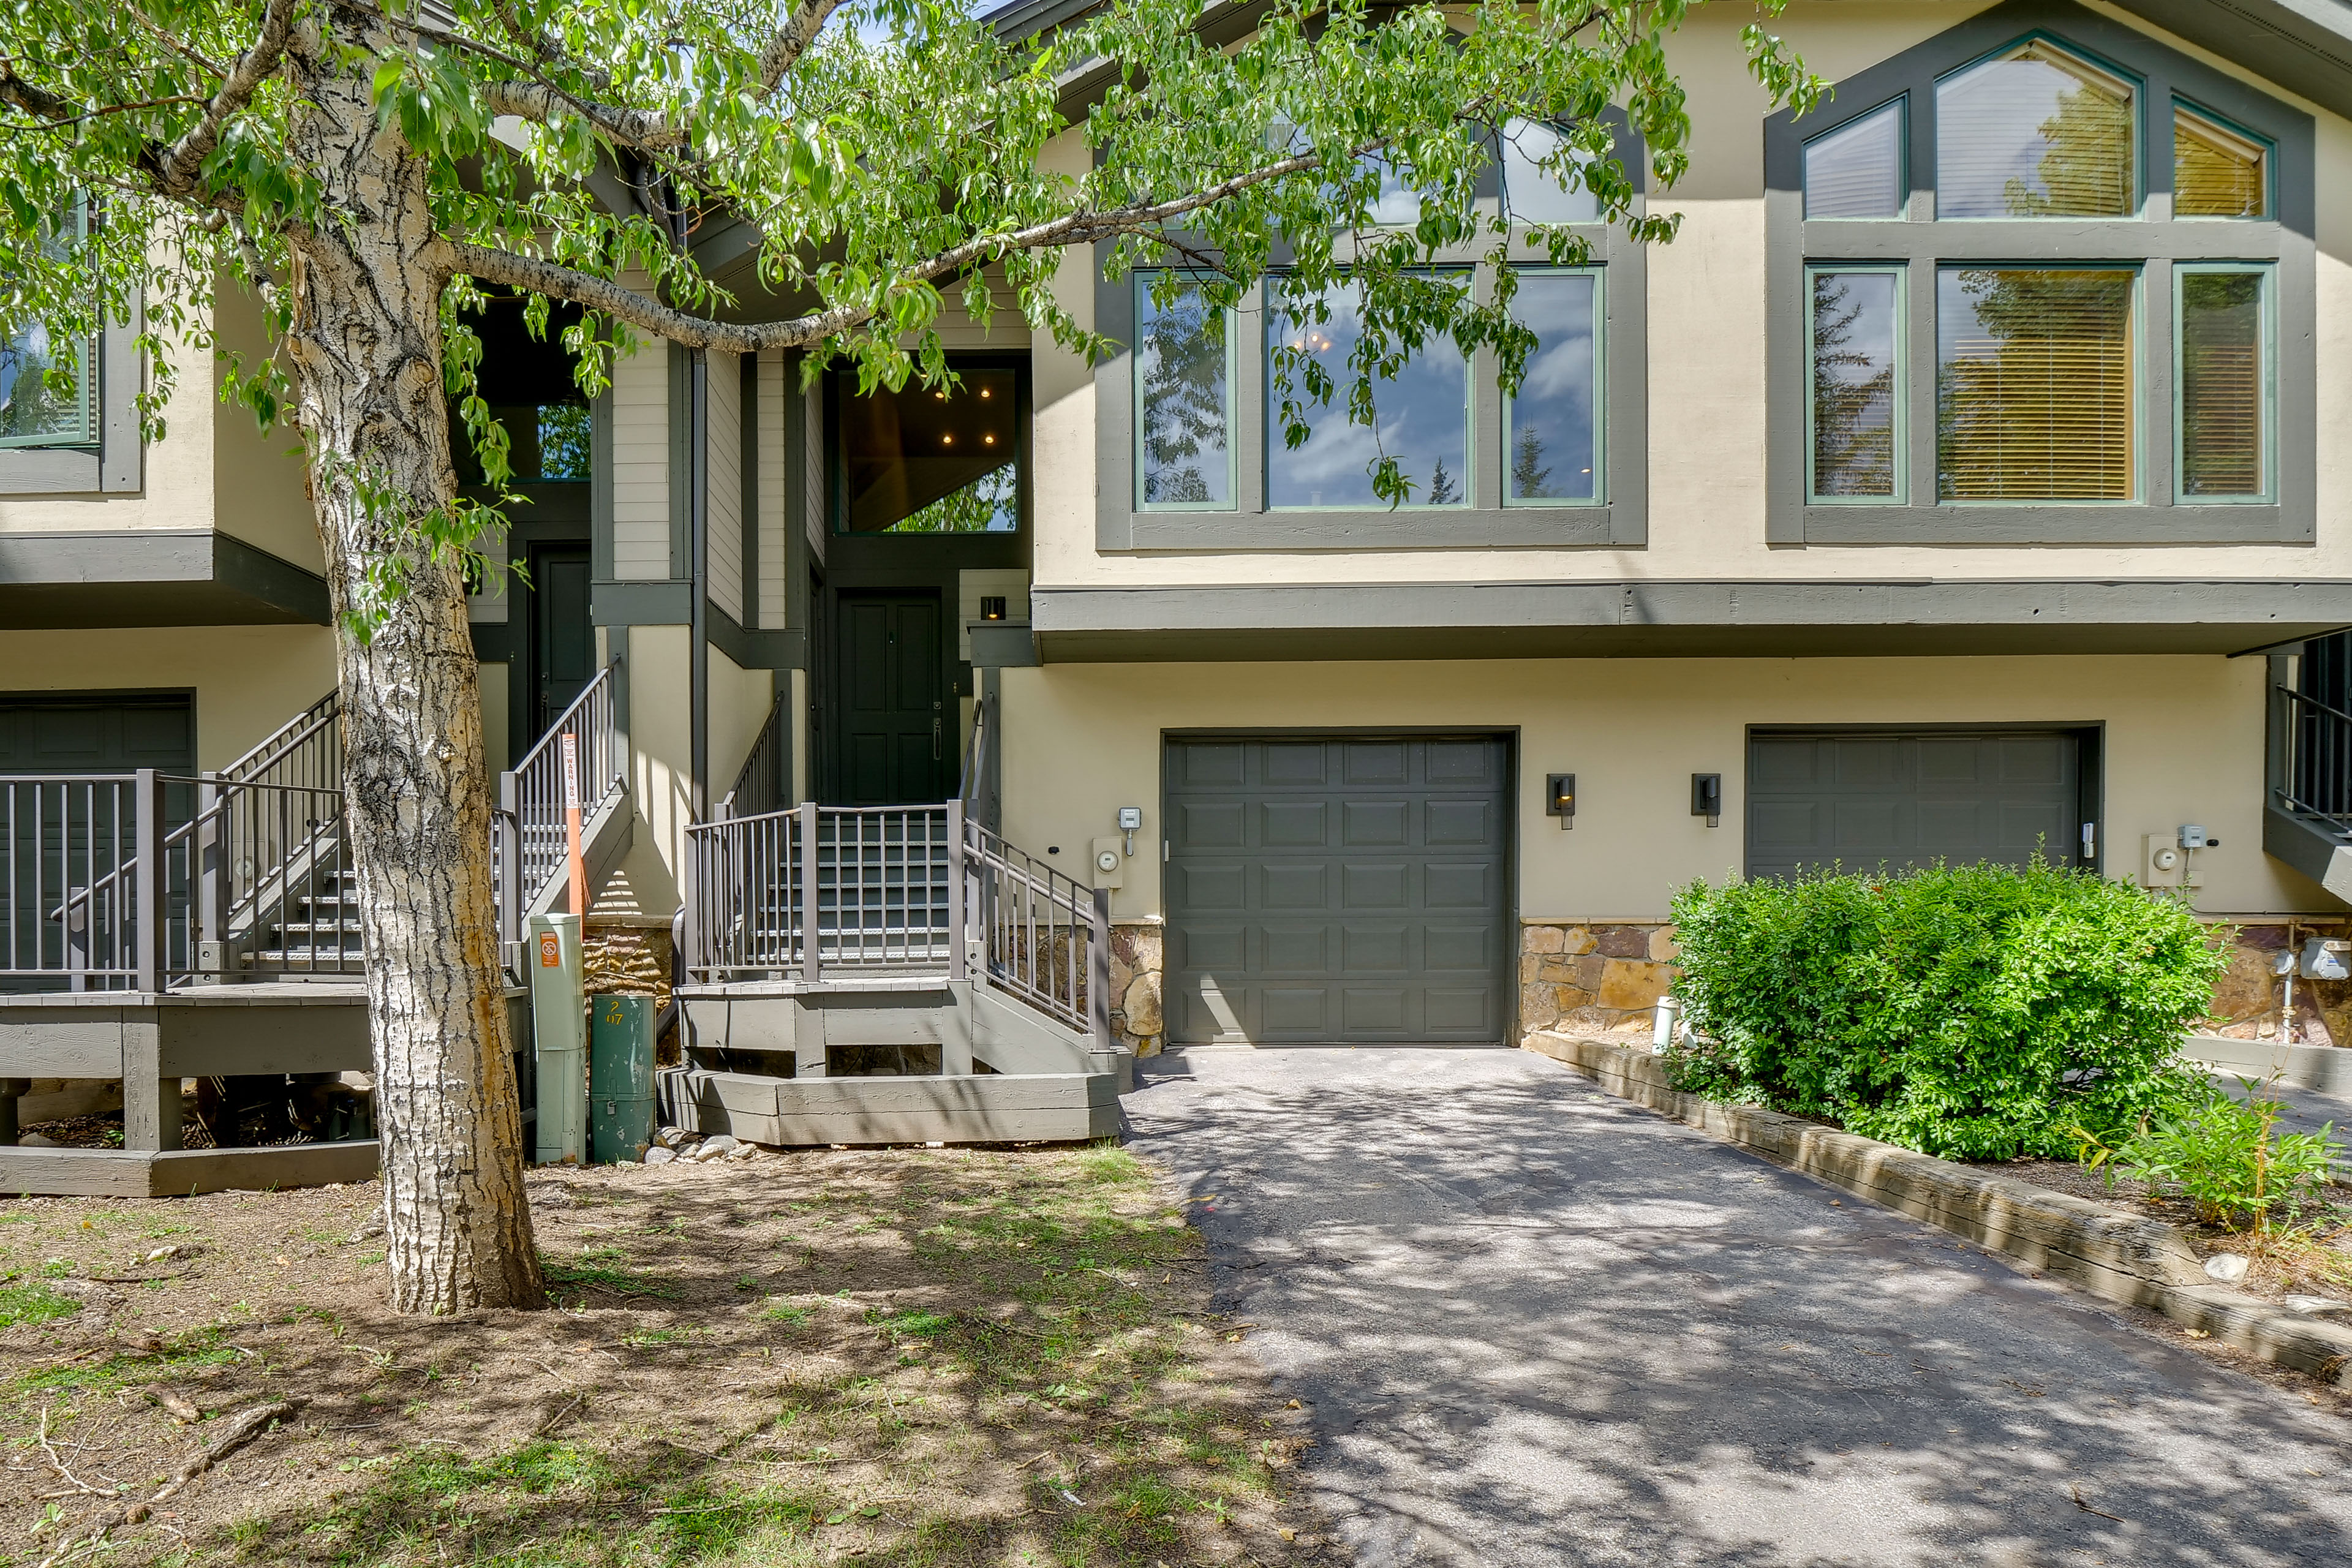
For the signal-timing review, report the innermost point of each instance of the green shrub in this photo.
(1978, 1012)
(2227, 1157)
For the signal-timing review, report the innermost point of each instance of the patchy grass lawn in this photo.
(896, 1356)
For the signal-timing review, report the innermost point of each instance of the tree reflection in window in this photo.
(931, 459)
(1853, 374)
(1555, 420)
(45, 380)
(2036, 383)
(1183, 398)
(2036, 133)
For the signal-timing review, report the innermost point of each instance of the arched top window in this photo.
(2036, 131)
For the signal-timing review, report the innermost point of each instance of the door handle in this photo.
(935, 735)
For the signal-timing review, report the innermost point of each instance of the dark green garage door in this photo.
(1337, 890)
(1862, 800)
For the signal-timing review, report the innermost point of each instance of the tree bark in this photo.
(365, 346)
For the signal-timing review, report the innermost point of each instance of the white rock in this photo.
(742, 1151)
(658, 1155)
(35, 1141)
(2229, 1267)
(717, 1144)
(2310, 1304)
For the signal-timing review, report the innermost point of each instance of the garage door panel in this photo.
(1298, 950)
(1370, 1009)
(1375, 824)
(1374, 949)
(1457, 949)
(1903, 800)
(1293, 824)
(1339, 890)
(1375, 885)
(1456, 822)
(1218, 825)
(1377, 761)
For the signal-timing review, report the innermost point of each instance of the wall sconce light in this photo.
(1560, 798)
(1707, 796)
(992, 608)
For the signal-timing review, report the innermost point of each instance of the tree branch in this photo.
(541, 101)
(176, 165)
(800, 30)
(25, 99)
(561, 282)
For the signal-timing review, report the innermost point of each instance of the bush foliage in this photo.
(1974, 1012)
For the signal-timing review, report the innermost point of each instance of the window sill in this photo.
(1410, 528)
(2122, 523)
(49, 470)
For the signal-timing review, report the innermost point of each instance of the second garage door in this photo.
(1338, 889)
(1867, 799)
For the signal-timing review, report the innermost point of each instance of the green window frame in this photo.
(1898, 398)
(2267, 401)
(1598, 392)
(1140, 290)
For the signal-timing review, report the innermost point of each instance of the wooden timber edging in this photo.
(2102, 1251)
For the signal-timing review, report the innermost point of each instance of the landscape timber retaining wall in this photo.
(2113, 1256)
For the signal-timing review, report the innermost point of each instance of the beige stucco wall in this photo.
(1707, 361)
(248, 681)
(661, 744)
(260, 493)
(740, 700)
(2183, 744)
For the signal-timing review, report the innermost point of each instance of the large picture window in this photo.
(2043, 280)
(1421, 415)
(1183, 397)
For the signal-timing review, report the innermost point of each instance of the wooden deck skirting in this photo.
(2115, 1256)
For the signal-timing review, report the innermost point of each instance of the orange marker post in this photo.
(571, 747)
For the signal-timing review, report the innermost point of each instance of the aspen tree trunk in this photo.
(366, 347)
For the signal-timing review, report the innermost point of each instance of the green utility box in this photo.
(620, 1079)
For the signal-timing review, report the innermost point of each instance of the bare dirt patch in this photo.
(896, 1356)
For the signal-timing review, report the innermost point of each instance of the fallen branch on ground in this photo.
(235, 1436)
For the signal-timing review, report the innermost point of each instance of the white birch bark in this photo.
(366, 348)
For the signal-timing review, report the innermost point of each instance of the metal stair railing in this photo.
(527, 835)
(760, 786)
(2313, 772)
(816, 891)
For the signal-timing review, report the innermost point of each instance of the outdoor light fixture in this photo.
(992, 608)
(1707, 796)
(1560, 798)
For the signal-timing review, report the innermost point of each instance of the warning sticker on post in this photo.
(571, 744)
(551, 950)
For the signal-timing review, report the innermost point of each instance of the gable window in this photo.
(2038, 131)
(1959, 368)
(1532, 151)
(1421, 415)
(1183, 397)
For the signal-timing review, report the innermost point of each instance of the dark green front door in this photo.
(893, 744)
(1863, 800)
(1339, 890)
(563, 642)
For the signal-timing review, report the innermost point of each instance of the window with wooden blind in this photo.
(2216, 171)
(2223, 338)
(2036, 383)
(2039, 131)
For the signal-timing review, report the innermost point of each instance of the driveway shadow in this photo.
(1534, 1324)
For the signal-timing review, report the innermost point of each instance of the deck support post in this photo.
(1098, 971)
(151, 1102)
(812, 924)
(209, 914)
(148, 932)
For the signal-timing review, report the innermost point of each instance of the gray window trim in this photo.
(116, 463)
(1622, 521)
(2153, 242)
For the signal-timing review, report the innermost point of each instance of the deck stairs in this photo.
(155, 927)
(887, 975)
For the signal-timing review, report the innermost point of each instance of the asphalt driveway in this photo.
(1534, 1324)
